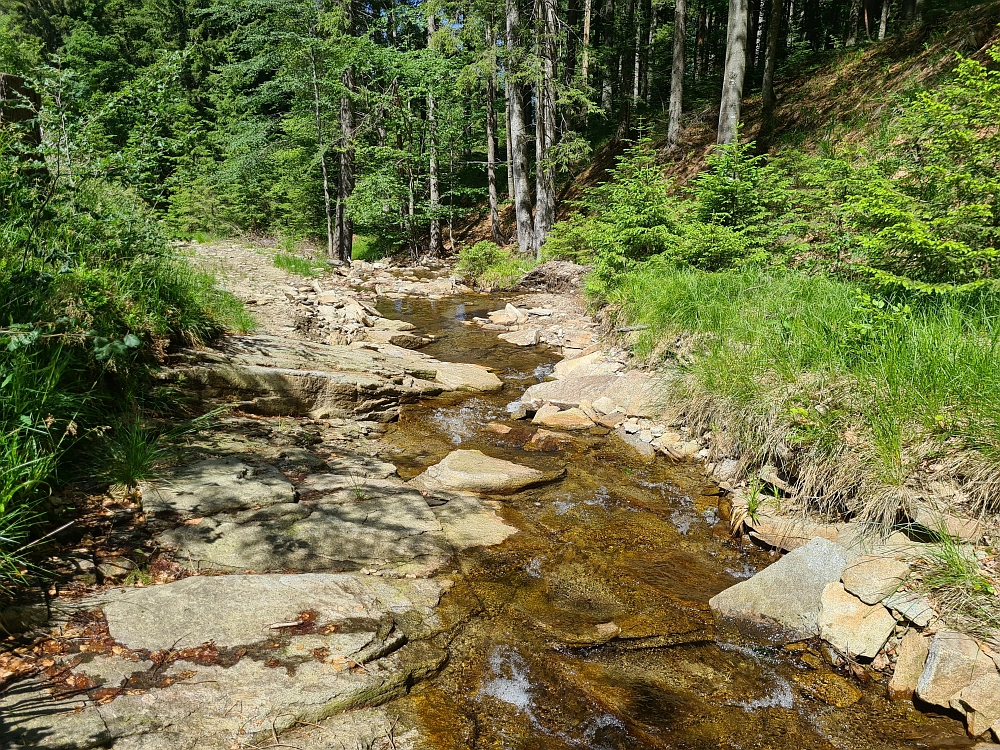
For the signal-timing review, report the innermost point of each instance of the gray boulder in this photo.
(789, 592)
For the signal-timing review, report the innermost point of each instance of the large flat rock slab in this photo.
(634, 393)
(225, 661)
(216, 485)
(787, 593)
(383, 527)
(474, 471)
(238, 610)
(277, 376)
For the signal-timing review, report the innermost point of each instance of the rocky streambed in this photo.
(379, 550)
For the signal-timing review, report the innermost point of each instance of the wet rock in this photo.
(466, 522)
(640, 394)
(832, 689)
(872, 578)
(851, 626)
(499, 429)
(789, 592)
(216, 485)
(953, 660)
(569, 419)
(387, 324)
(548, 441)
(526, 337)
(473, 471)
(913, 607)
(910, 657)
(465, 377)
(632, 439)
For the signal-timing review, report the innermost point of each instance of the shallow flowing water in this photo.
(590, 628)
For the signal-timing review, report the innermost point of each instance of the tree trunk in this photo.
(327, 203)
(507, 140)
(434, 247)
(677, 75)
(852, 23)
(491, 137)
(918, 11)
(753, 25)
(732, 81)
(884, 20)
(700, 42)
(586, 41)
(545, 127)
(770, 62)
(344, 233)
(517, 135)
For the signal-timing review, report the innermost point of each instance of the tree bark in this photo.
(491, 137)
(770, 62)
(586, 41)
(545, 127)
(344, 233)
(327, 202)
(884, 20)
(517, 135)
(753, 26)
(434, 246)
(852, 23)
(732, 82)
(677, 75)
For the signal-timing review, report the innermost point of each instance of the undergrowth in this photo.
(491, 268)
(93, 298)
(834, 311)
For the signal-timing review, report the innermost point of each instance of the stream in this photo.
(590, 628)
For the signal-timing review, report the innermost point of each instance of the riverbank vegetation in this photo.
(92, 296)
(835, 311)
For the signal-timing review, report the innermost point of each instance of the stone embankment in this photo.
(841, 582)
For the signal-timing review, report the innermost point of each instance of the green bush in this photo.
(93, 295)
(490, 267)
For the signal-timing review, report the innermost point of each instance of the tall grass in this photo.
(813, 362)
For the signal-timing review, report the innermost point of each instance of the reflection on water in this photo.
(590, 628)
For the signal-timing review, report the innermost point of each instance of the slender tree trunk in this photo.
(507, 139)
(517, 134)
(770, 62)
(677, 75)
(918, 11)
(327, 202)
(753, 25)
(699, 44)
(650, 37)
(586, 41)
(732, 81)
(852, 23)
(344, 233)
(434, 247)
(491, 137)
(545, 124)
(636, 64)
(884, 20)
